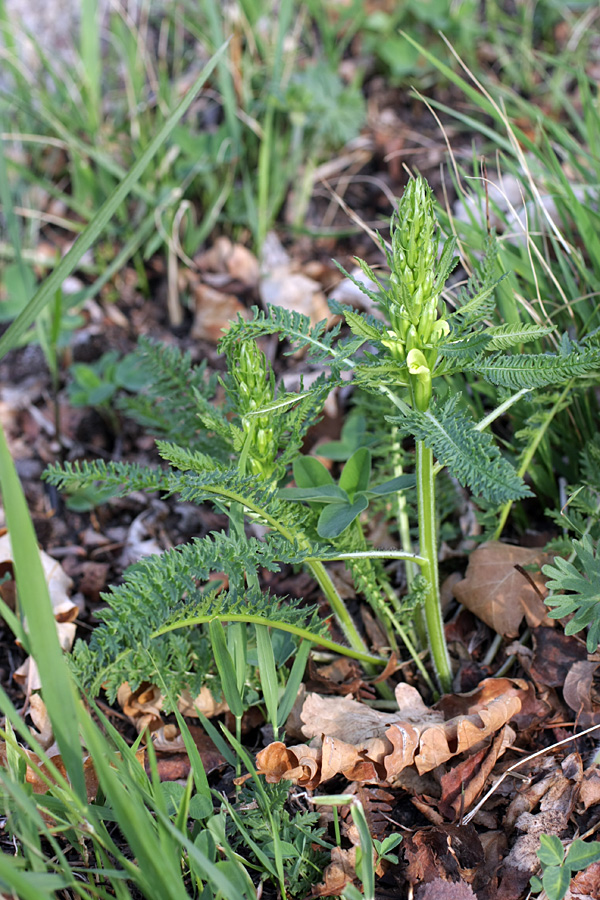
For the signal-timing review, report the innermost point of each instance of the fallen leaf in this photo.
(446, 852)
(554, 654)
(233, 260)
(340, 872)
(213, 312)
(445, 890)
(577, 692)
(585, 885)
(38, 775)
(556, 807)
(501, 596)
(364, 744)
(589, 795)
(205, 703)
(341, 677)
(142, 706)
(463, 784)
(58, 582)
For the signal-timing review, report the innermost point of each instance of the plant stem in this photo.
(337, 605)
(428, 549)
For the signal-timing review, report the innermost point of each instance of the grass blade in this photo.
(101, 219)
(58, 689)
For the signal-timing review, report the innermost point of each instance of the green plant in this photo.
(558, 868)
(370, 852)
(340, 504)
(408, 359)
(96, 384)
(541, 193)
(269, 826)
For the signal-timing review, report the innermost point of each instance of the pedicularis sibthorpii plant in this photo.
(238, 456)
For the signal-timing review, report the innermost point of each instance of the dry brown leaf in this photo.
(65, 611)
(340, 872)
(585, 885)
(463, 784)
(363, 744)
(36, 770)
(554, 654)
(204, 702)
(40, 718)
(589, 795)
(233, 260)
(59, 583)
(495, 591)
(142, 705)
(213, 313)
(577, 692)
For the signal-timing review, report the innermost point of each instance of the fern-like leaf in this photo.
(161, 591)
(534, 370)
(118, 478)
(583, 599)
(469, 455)
(503, 337)
(321, 345)
(169, 405)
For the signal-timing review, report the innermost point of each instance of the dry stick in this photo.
(516, 765)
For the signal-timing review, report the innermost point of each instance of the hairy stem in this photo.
(428, 549)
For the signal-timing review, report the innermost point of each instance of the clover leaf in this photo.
(339, 504)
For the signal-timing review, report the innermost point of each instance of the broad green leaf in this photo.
(336, 517)
(354, 435)
(357, 472)
(327, 493)
(551, 852)
(400, 483)
(556, 881)
(582, 854)
(310, 472)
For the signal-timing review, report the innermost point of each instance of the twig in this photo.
(516, 765)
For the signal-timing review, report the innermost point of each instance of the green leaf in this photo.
(469, 454)
(357, 472)
(354, 435)
(503, 337)
(534, 370)
(400, 483)
(583, 598)
(582, 854)
(268, 674)
(226, 668)
(310, 472)
(556, 881)
(336, 517)
(328, 493)
(551, 852)
(293, 682)
(361, 328)
(57, 685)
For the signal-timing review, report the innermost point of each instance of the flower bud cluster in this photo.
(255, 386)
(413, 295)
